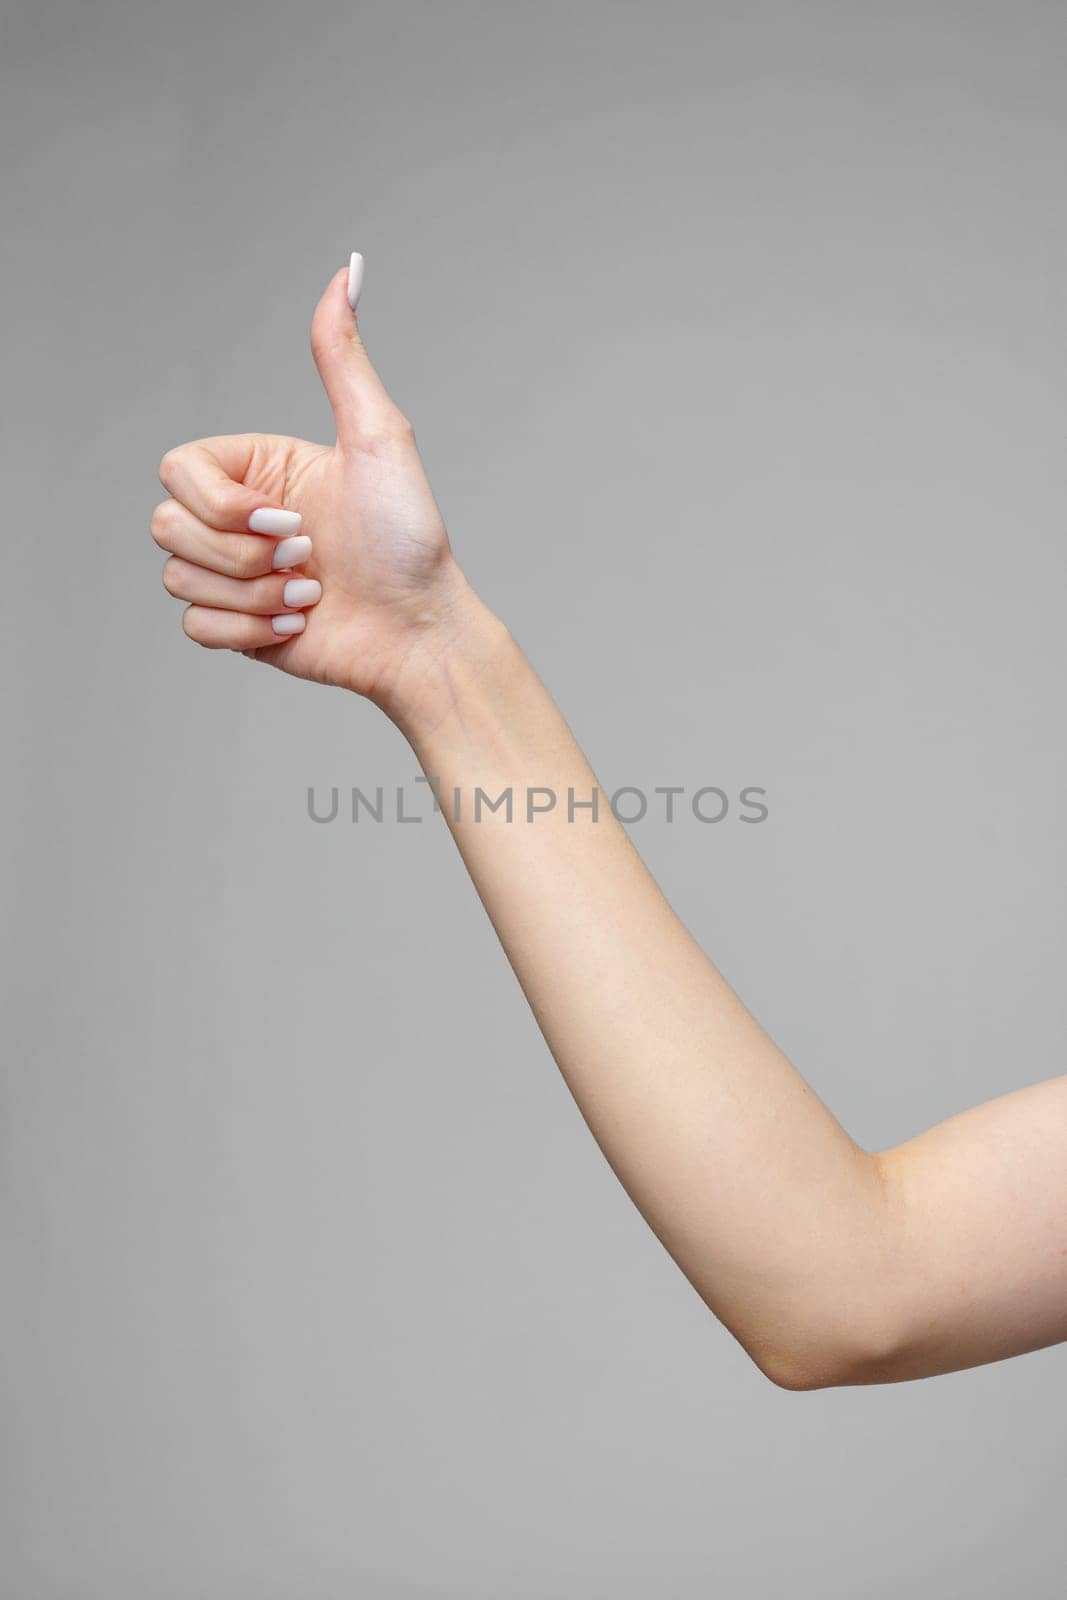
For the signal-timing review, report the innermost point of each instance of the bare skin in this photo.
(830, 1264)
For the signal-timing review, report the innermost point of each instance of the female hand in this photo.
(355, 578)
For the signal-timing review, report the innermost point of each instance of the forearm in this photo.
(772, 1212)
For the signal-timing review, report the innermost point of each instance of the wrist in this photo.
(456, 646)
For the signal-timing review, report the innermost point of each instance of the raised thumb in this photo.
(356, 393)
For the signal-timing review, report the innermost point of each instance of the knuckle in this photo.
(172, 576)
(169, 465)
(320, 345)
(244, 556)
(327, 342)
(385, 431)
(395, 424)
(236, 635)
(219, 504)
(191, 624)
(263, 595)
(162, 523)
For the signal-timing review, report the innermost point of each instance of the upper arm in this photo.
(977, 1212)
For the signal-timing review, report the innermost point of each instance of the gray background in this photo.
(733, 335)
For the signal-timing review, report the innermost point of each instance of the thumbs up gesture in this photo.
(329, 561)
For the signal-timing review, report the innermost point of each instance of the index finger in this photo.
(205, 477)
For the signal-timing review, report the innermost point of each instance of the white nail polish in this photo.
(267, 520)
(302, 592)
(292, 622)
(355, 278)
(291, 552)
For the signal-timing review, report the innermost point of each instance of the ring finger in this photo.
(261, 597)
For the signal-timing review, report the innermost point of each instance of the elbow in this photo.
(800, 1372)
(832, 1357)
(853, 1318)
(795, 1370)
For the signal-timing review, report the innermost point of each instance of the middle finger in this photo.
(235, 555)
